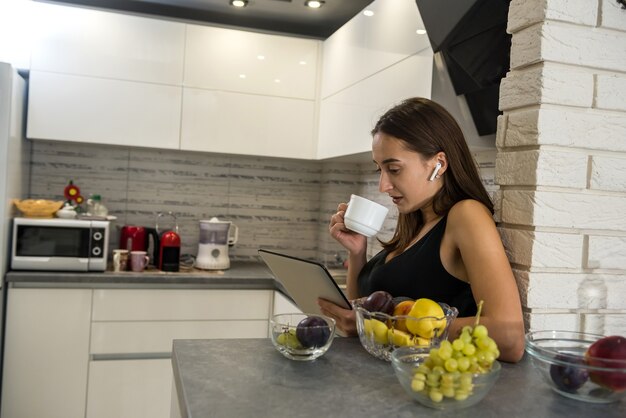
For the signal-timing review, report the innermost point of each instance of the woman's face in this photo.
(404, 173)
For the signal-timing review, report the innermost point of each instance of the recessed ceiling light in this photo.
(302, 63)
(368, 13)
(260, 57)
(242, 76)
(313, 4)
(277, 80)
(420, 32)
(239, 3)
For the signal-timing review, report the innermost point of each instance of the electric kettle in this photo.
(137, 238)
(215, 239)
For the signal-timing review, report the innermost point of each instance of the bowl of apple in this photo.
(385, 323)
(582, 366)
(301, 336)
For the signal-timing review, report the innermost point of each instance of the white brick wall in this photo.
(561, 163)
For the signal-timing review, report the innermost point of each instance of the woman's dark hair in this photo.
(427, 128)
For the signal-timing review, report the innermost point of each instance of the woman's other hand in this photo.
(345, 318)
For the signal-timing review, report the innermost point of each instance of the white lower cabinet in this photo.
(282, 305)
(129, 388)
(130, 374)
(46, 355)
(106, 352)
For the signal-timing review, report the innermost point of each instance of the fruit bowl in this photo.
(38, 208)
(464, 389)
(559, 356)
(301, 336)
(380, 333)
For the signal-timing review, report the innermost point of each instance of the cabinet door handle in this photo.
(130, 356)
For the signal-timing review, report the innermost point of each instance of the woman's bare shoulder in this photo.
(469, 210)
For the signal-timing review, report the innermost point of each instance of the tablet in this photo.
(304, 281)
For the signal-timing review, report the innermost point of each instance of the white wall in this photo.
(561, 162)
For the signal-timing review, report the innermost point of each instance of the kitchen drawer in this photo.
(156, 336)
(180, 305)
(129, 389)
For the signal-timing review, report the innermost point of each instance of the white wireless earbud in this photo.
(435, 171)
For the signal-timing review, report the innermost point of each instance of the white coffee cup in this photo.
(364, 216)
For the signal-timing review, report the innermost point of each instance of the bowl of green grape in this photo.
(455, 375)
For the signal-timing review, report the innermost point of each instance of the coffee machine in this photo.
(215, 239)
(169, 246)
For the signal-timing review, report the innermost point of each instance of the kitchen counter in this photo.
(241, 275)
(245, 378)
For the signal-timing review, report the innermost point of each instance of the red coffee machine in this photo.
(169, 253)
(169, 247)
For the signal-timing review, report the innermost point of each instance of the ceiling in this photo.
(277, 16)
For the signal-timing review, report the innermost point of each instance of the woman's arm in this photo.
(472, 250)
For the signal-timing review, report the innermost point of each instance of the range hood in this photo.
(471, 37)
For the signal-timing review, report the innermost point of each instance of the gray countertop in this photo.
(241, 275)
(249, 378)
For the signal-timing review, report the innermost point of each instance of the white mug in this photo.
(364, 216)
(120, 260)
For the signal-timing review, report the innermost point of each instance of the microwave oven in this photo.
(59, 244)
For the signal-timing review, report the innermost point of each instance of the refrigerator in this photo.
(14, 170)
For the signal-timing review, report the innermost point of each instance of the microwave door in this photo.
(51, 248)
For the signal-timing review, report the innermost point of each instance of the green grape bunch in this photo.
(448, 371)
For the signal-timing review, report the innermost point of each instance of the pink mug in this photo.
(138, 261)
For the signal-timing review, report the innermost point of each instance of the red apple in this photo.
(402, 309)
(608, 352)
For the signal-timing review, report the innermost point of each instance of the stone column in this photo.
(561, 163)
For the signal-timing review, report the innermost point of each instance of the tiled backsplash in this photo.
(276, 203)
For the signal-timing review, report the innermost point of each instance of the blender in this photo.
(215, 238)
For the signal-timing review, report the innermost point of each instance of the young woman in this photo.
(446, 246)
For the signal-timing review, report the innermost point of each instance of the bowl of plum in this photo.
(385, 323)
(301, 336)
(582, 366)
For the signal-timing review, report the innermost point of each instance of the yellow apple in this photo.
(379, 329)
(429, 318)
(400, 338)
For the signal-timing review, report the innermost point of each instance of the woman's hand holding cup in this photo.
(352, 241)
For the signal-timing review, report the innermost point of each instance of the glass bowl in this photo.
(463, 389)
(306, 343)
(559, 356)
(380, 334)
(38, 208)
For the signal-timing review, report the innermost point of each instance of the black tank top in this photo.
(418, 273)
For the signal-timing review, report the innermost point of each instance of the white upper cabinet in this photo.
(237, 123)
(94, 43)
(363, 103)
(248, 62)
(370, 64)
(369, 44)
(103, 111)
